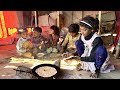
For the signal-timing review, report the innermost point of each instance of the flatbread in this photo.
(46, 71)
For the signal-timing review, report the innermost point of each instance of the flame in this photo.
(3, 24)
(29, 30)
(1, 33)
(11, 31)
(6, 23)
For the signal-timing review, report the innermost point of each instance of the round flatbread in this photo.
(46, 71)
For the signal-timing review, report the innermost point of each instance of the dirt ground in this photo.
(7, 65)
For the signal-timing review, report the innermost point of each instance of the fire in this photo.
(4, 35)
(29, 30)
(8, 25)
(11, 31)
(1, 33)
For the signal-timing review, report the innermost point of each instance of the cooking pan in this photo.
(24, 72)
(49, 65)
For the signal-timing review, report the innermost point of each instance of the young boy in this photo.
(23, 45)
(37, 40)
(70, 39)
(90, 48)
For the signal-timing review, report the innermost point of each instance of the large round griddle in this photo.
(49, 65)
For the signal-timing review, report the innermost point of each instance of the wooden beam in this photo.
(58, 19)
(82, 14)
(99, 17)
(35, 12)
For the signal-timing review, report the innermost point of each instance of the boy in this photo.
(70, 39)
(37, 40)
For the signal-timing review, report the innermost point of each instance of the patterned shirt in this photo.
(37, 41)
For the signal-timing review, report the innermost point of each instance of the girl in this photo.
(54, 35)
(90, 48)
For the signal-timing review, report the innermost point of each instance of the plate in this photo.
(40, 54)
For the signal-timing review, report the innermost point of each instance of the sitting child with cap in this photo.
(24, 46)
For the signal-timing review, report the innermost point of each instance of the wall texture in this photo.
(75, 16)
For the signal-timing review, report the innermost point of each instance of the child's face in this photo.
(24, 35)
(73, 34)
(84, 31)
(36, 34)
(51, 31)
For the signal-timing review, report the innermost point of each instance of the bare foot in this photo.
(78, 68)
(94, 75)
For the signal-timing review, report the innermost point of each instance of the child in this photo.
(70, 39)
(54, 35)
(37, 40)
(90, 48)
(23, 45)
(63, 34)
